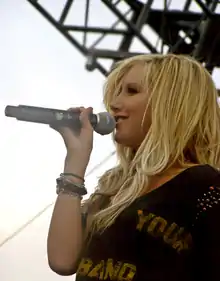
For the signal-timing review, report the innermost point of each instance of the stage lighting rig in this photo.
(181, 31)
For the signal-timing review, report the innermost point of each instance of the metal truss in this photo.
(178, 31)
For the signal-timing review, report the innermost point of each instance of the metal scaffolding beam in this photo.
(180, 31)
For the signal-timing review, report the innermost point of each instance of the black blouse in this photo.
(169, 234)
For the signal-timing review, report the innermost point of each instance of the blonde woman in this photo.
(155, 216)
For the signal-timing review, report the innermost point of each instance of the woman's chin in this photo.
(118, 138)
(121, 139)
(126, 140)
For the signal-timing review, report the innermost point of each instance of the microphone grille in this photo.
(105, 123)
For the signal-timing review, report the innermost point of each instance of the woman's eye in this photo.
(132, 90)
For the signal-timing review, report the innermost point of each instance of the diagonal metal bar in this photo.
(61, 28)
(187, 5)
(65, 11)
(204, 8)
(112, 28)
(142, 19)
(130, 25)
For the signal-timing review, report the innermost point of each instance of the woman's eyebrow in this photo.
(132, 84)
(135, 85)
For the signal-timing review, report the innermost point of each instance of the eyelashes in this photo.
(132, 91)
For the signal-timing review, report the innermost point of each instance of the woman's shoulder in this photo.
(204, 192)
(205, 179)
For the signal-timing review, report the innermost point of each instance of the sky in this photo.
(40, 68)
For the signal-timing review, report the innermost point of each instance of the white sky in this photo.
(39, 67)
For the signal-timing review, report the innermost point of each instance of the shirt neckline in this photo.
(172, 181)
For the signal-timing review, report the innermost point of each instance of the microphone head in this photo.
(105, 123)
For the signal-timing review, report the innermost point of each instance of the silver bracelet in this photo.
(69, 181)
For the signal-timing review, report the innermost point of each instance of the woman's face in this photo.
(129, 108)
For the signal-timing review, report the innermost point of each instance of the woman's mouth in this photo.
(119, 119)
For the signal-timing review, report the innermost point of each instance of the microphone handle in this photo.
(46, 115)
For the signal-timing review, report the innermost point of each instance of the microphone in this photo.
(103, 123)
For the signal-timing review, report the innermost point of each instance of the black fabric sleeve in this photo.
(207, 235)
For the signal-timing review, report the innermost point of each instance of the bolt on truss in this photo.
(181, 31)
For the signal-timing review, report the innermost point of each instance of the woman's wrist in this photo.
(75, 166)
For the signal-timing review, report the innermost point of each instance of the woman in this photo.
(155, 215)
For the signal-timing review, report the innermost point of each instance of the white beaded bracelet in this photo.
(68, 192)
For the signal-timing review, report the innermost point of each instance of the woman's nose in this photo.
(115, 106)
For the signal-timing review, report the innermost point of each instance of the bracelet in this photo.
(68, 192)
(64, 183)
(73, 175)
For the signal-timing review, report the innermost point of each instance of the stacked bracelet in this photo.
(65, 184)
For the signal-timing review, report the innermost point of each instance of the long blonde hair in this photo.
(185, 128)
